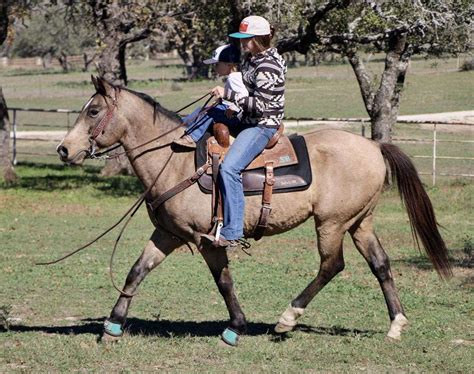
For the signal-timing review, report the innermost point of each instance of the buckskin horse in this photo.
(349, 172)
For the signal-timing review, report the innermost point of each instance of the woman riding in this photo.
(263, 71)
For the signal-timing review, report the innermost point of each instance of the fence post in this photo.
(14, 137)
(363, 129)
(68, 121)
(434, 154)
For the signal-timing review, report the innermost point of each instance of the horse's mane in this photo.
(157, 108)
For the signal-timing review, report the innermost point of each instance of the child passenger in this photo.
(226, 60)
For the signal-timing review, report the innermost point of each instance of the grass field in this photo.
(57, 312)
(50, 317)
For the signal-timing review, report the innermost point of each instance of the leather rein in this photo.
(104, 122)
(98, 130)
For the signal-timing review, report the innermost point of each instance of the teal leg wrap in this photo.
(230, 337)
(112, 328)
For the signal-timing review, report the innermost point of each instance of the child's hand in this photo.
(229, 113)
(218, 91)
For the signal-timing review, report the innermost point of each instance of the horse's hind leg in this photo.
(218, 263)
(369, 246)
(330, 237)
(159, 246)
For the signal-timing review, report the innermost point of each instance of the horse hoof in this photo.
(109, 339)
(392, 339)
(230, 337)
(222, 344)
(399, 324)
(281, 328)
(112, 332)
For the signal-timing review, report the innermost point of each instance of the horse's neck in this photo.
(152, 159)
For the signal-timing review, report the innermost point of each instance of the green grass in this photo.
(57, 312)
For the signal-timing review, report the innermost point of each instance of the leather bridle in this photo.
(105, 121)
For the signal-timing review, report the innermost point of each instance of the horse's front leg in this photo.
(160, 245)
(218, 263)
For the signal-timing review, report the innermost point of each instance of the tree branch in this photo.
(135, 37)
(363, 77)
(308, 35)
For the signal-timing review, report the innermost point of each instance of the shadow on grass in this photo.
(457, 258)
(170, 329)
(75, 178)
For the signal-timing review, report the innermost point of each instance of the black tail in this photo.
(419, 208)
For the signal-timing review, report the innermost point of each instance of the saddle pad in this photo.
(287, 178)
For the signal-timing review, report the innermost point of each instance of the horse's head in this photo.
(99, 125)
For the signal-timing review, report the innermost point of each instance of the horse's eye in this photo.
(93, 112)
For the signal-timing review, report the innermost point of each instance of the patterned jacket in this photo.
(264, 77)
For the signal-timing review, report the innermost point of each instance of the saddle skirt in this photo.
(292, 171)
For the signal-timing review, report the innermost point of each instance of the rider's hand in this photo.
(218, 91)
(229, 113)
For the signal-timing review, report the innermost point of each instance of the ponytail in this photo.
(263, 42)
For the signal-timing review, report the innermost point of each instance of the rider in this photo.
(263, 73)
(226, 61)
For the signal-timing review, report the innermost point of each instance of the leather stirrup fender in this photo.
(266, 202)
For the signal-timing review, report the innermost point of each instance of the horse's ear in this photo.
(103, 87)
(94, 82)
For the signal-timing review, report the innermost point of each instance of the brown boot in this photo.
(186, 141)
(221, 243)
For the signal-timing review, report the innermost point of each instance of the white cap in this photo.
(252, 26)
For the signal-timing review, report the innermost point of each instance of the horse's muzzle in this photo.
(63, 153)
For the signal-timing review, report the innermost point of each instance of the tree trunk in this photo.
(200, 69)
(88, 59)
(63, 62)
(4, 21)
(237, 14)
(108, 64)
(6, 167)
(387, 99)
(184, 54)
(109, 34)
(383, 104)
(111, 62)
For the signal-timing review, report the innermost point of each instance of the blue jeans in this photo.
(248, 144)
(200, 123)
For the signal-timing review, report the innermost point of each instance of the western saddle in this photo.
(278, 152)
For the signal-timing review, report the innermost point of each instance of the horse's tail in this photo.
(420, 211)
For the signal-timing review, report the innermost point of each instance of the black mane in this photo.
(157, 108)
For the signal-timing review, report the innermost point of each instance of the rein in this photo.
(98, 129)
(108, 116)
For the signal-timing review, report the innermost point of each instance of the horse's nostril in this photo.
(62, 150)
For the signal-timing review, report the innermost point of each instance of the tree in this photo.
(116, 25)
(6, 167)
(8, 9)
(400, 29)
(50, 34)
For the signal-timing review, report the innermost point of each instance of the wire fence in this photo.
(34, 131)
